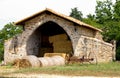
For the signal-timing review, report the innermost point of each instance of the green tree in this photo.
(76, 14)
(108, 15)
(91, 20)
(7, 32)
(117, 19)
(91, 17)
(111, 31)
(117, 10)
(104, 11)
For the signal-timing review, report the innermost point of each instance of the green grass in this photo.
(104, 69)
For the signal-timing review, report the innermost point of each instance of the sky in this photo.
(15, 10)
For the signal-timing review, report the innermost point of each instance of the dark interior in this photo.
(49, 38)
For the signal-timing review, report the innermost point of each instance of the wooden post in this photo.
(114, 49)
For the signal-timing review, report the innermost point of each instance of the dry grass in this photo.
(106, 69)
(27, 61)
(22, 63)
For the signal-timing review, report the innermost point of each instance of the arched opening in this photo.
(49, 38)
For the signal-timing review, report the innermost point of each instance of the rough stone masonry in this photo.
(73, 36)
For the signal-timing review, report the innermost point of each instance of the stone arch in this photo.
(60, 30)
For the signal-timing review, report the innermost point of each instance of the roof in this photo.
(21, 22)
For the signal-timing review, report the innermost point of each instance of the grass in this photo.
(104, 69)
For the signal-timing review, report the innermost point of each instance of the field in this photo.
(104, 69)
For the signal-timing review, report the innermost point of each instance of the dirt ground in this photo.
(4, 73)
(48, 76)
(40, 76)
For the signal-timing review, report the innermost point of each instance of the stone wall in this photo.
(74, 32)
(33, 44)
(83, 39)
(94, 48)
(11, 49)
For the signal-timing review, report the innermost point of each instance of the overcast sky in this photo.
(15, 10)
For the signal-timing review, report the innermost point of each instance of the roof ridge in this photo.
(61, 15)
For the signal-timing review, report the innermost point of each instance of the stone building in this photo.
(48, 31)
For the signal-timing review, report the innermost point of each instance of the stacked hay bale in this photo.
(61, 43)
(62, 46)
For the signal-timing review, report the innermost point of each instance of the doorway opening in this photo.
(49, 38)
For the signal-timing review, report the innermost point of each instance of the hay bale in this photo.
(46, 61)
(21, 63)
(24, 63)
(58, 37)
(43, 61)
(61, 43)
(62, 46)
(52, 61)
(34, 61)
(58, 60)
(16, 62)
(64, 55)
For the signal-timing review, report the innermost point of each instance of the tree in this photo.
(7, 32)
(117, 19)
(108, 15)
(76, 14)
(104, 11)
(117, 10)
(91, 19)
(111, 31)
